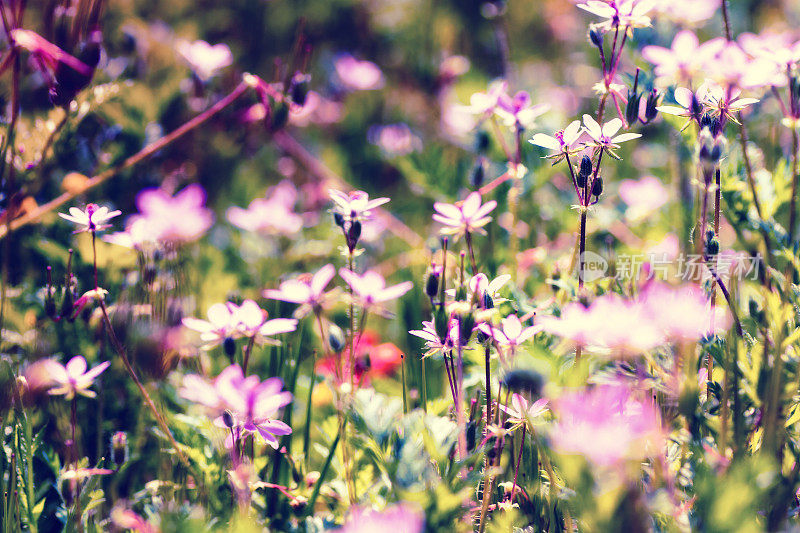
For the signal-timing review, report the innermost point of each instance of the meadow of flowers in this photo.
(416, 265)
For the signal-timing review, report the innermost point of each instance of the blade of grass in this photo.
(314, 495)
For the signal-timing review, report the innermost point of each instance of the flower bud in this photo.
(338, 218)
(712, 244)
(597, 186)
(596, 37)
(280, 115)
(299, 88)
(353, 234)
(229, 345)
(227, 418)
(441, 321)
(466, 324)
(432, 285)
(650, 108)
(119, 448)
(523, 380)
(584, 172)
(478, 174)
(488, 302)
(481, 141)
(336, 338)
(298, 504)
(632, 108)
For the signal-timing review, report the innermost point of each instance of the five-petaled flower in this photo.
(73, 378)
(92, 219)
(370, 288)
(605, 135)
(563, 142)
(468, 217)
(355, 205)
(252, 405)
(307, 290)
(228, 320)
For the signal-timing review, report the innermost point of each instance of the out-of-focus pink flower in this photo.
(370, 288)
(666, 249)
(643, 196)
(518, 111)
(205, 59)
(355, 205)
(74, 378)
(605, 135)
(308, 291)
(398, 518)
(610, 322)
(485, 104)
(510, 334)
(608, 425)
(358, 75)
(687, 12)
(317, 110)
(175, 219)
(231, 321)
(92, 218)
(467, 217)
(682, 61)
(273, 214)
(682, 313)
(125, 518)
(252, 405)
(394, 139)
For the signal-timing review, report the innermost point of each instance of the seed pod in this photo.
(481, 141)
(465, 326)
(440, 320)
(280, 115)
(488, 302)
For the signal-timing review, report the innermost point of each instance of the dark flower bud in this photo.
(432, 285)
(481, 141)
(461, 293)
(298, 505)
(441, 320)
(597, 186)
(523, 380)
(67, 303)
(336, 338)
(280, 115)
(227, 418)
(299, 90)
(465, 326)
(478, 174)
(632, 108)
(353, 234)
(481, 337)
(119, 448)
(229, 345)
(712, 244)
(716, 152)
(596, 37)
(584, 172)
(756, 313)
(488, 302)
(472, 435)
(338, 218)
(696, 108)
(652, 102)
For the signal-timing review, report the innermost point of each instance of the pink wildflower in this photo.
(307, 290)
(398, 518)
(355, 205)
(179, 218)
(273, 214)
(358, 75)
(370, 288)
(205, 59)
(73, 378)
(92, 219)
(468, 217)
(643, 196)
